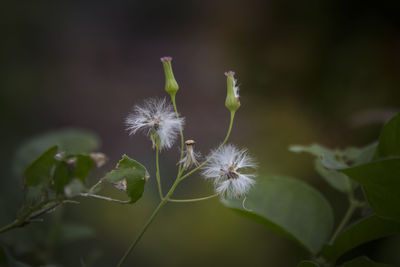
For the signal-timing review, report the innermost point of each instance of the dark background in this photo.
(309, 71)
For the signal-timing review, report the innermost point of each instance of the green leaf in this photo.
(308, 264)
(389, 140)
(38, 172)
(364, 262)
(61, 176)
(289, 207)
(335, 178)
(329, 158)
(330, 162)
(135, 175)
(82, 165)
(363, 231)
(71, 141)
(381, 183)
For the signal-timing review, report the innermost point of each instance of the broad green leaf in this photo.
(290, 207)
(335, 178)
(381, 183)
(38, 172)
(71, 141)
(133, 173)
(308, 264)
(363, 231)
(364, 262)
(389, 140)
(81, 167)
(74, 188)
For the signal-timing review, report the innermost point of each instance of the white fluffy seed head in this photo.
(227, 169)
(157, 119)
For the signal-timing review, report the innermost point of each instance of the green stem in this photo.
(192, 199)
(149, 221)
(353, 205)
(104, 198)
(10, 226)
(33, 212)
(180, 131)
(93, 188)
(220, 146)
(158, 177)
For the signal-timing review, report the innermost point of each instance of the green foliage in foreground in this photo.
(60, 163)
(294, 209)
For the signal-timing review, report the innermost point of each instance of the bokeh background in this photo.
(309, 71)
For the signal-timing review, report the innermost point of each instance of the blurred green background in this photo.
(314, 71)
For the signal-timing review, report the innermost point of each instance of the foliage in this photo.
(56, 167)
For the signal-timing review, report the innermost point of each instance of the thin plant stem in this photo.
(192, 199)
(93, 188)
(180, 131)
(220, 146)
(149, 221)
(33, 212)
(158, 176)
(14, 224)
(353, 205)
(104, 198)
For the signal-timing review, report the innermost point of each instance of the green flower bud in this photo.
(171, 86)
(232, 96)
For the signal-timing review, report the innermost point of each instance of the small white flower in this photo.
(190, 157)
(157, 119)
(227, 168)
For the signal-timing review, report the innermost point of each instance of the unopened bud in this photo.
(171, 86)
(232, 101)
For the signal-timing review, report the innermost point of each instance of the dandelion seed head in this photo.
(227, 169)
(155, 118)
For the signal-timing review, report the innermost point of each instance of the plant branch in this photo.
(149, 221)
(104, 198)
(192, 199)
(158, 176)
(180, 131)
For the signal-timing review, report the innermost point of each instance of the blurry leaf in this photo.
(71, 232)
(365, 154)
(39, 171)
(61, 176)
(135, 175)
(363, 231)
(72, 141)
(339, 159)
(308, 264)
(381, 183)
(335, 178)
(82, 166)
(364, 262)
(74, 188)
(290, 207)
(389, 141)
